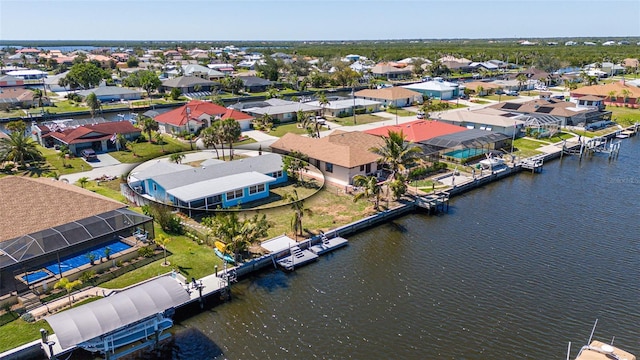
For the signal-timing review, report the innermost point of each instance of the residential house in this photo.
(483, 65)
(483, 119)
(30, 76)
(203, 72)
(106, 93)
(218, 184)
(55, 220)
(226, 69)
(52, 82)
(188, 84)
(189, 117)
(99, 135)
(339, 156)
(436, 89)
(242, 118)
(10, 81)
(255, 84)
(278, 109)
(104, 61)
(419, 130)
(390, 72)
(617, 93)
(565, 113)
(481, 88)
(345, 107)
(396, 96)
(18, 97)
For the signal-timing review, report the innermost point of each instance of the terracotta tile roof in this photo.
(605, 89)
(392, 93)
(419, 130)
(346, 149)
(178, 117)
(238, 115)
(43, 203)
(95, 132)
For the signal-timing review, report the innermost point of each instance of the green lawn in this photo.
(526, 147)
(74, 164)
(282, 129)
(12, 113)
(559, 137)
(360, 119)
(478, 101)
(400, 112)
(499, 98)
(20, 332)
(624, 116)
(189, 257)
(144, 151)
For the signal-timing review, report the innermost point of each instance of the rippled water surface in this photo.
(515, 270)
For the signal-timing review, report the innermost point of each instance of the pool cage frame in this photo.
(32, 252)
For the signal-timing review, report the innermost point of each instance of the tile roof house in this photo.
(19, 97)
(625, 94)
(339, 156)
(398, 96)
(390, 72)
(189, 117)
(419, 130)
(243, 119)
(98, 136)
(54, 220)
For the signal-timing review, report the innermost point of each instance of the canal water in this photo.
(515, 270)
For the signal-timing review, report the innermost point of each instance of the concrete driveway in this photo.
(103, 160)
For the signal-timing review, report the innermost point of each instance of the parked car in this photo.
(420, 115)
(89, 154)
(513, 93)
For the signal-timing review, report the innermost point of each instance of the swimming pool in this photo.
(79, 260)
(465, 153)
(35, 276)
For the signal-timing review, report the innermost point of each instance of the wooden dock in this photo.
(298, 257)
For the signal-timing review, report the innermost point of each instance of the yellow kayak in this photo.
(220, 246)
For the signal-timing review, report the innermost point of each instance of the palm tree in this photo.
(371, 188)
(612, 96)
(212, 136)
(237, 234)
(297, 205)
(397, 155)
(121, 142)
(64, 283)
(37, 96)
(19, 147)
(148, 125)
(231, 131)
(83, 181)
(159, 140)
(323, 101)
(625, 95)
(521, 78)
(163, 240)
(64, 152)
(93, 103)
(177, 157)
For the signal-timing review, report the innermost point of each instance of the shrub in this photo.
(28, 317)
(145, 252)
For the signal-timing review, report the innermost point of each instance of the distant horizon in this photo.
(314, 21)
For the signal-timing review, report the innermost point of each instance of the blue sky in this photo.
(314, 19)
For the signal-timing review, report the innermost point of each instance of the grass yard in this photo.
(74, 164)
(360, 119)
(146, 151)
(526, 147)
(20, 332)
(478, 101)
(12, 113)
(624, 116)
(400, 112)
(499, 98)
(558, 137)
(189, 257)
(281, 129)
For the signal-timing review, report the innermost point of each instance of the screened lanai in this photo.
(43, 251)
(541, 125)
(467, 144)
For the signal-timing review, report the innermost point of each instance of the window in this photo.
(328, 167)
(234, 194)
(155, 187)
(367, 168)
(361, 167)
(277, 174)
(256, 189)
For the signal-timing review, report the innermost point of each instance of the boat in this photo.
(597, 350)
(221, 251)
(129, 334)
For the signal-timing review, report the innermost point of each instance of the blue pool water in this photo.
(33, 277)
(79, 260)
(465, 153)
